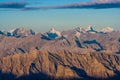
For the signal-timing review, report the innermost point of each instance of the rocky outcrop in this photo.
(60, 65)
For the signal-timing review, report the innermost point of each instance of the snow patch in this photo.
(89, 29)
(107, 29)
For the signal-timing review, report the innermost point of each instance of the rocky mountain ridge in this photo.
(78, 54)
(18, 32)
(21, 32)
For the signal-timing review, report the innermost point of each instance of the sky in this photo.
(41, 15)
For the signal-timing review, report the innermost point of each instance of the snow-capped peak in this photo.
(89, 29)
(107, 29)
(77, 34)
(80, 30)
(1, 32)
(21, 32)
(52, 30)
(12, 30)
(52, 34)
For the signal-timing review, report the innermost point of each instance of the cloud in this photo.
(14, 5)
(95, 4)
(104, 1)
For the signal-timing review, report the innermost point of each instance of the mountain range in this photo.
(77, 54)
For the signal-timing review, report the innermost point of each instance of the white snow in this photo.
(55, 32)
(12, 30)
(81, 30)
(107, 29)
(77, 34)
(89, 29)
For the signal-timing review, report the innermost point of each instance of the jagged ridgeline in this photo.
(75, 54)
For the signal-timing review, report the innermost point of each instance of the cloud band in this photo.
(94, 4)
(14, 5)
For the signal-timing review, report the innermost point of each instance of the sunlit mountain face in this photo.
(59, 40)
(79, 53)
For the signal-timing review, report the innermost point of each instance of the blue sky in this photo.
(42, 20)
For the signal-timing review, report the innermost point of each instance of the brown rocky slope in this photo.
(42, 65)
(84, 56)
